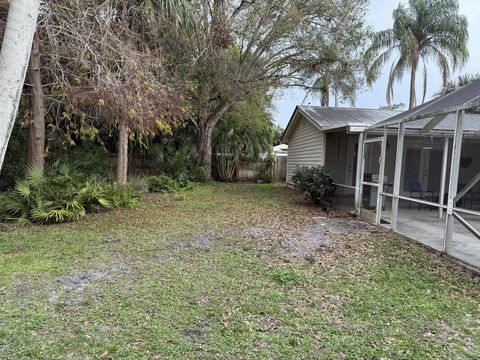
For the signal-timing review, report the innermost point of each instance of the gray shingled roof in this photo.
(331, 117)
(466, 97)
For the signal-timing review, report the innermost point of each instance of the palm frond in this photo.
(431, 29)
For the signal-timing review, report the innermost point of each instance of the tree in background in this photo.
(399, 106)
(245, 132)
(461, 81)
(339, 80)
(110, 74)
(277, 134)
(425, 30)
(242, 49)
(338, 69)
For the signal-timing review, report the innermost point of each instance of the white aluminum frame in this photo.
(383, 144)
(452, 211)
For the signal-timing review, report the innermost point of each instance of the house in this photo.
(280, 150)
(329, 136)
(415, 172)
(427, 163)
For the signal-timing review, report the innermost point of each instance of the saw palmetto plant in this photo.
(59, 194)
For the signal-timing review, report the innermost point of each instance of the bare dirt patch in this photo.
(321, 235)
(208, 239)
(255, 232)
(74, 289)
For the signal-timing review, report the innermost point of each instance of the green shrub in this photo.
(59, 194)
(89, 158)
(269, 169)
(120, 195)
(175, 157)
(166, 184)
(315, 182)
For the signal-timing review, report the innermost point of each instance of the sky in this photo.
(380, 18)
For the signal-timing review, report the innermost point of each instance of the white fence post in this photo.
(381, 176)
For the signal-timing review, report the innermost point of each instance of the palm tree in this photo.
(340, 80)
(16, 48)
(425, 30)
(461, 81)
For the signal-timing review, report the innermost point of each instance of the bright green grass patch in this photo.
(177, 278)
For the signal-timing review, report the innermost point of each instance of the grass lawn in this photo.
(212, 273)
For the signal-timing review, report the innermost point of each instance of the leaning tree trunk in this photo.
(36, 129)
(122, 153)
(204, 138)
(14, 56)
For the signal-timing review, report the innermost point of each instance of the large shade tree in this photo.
(242, 49)
(425, 30)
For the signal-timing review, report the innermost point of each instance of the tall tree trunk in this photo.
(204, 137)
(325, 101)
(413, 93)
(122, 153)
(14, 56)
(36, 129)
(204, 147)
(325, 92)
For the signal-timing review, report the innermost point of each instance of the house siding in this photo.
(305, 148)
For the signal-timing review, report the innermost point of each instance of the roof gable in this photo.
(330, 118)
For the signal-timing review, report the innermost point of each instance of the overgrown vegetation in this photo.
(166, 184)
(245, 132)
(59, 194)
(268, 173)
(315, 182)
(125, 75)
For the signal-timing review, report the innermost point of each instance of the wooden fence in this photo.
(253, 171)
(280, 169)
(246, 171)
